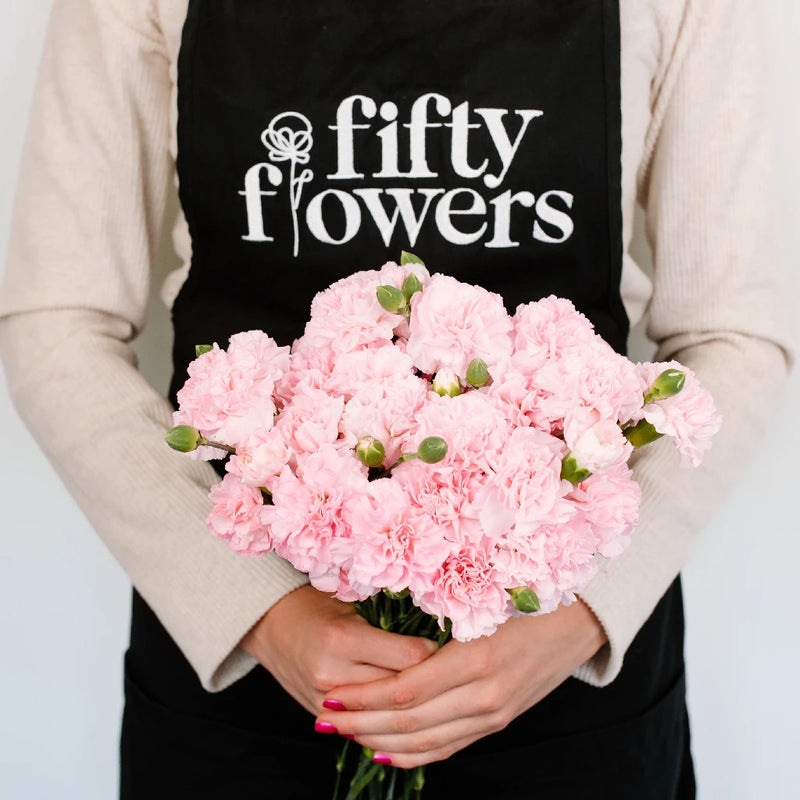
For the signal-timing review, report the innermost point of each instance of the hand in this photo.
(467, 690)
(311, 643)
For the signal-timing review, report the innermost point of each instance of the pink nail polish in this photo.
(349, 736)
(382, 758)
(334, 705)
(324, 727)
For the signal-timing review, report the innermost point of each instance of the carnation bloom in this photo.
(395, 546)
(473, 427)
(549, 328)
(261, 459)
(230, 394)
(307, 519)
(610, 503)
(467, 589)
(525, 487)
(453, 323)
(689, 417)
(594, 442)
(347, 315)
(446, 495)
(236, 516)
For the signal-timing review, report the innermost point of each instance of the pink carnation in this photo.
(610, 502)
(307, 519)
(525, 488)
(261, 459)
(395, 546)
(546, 329)
(347, 315)
(230, 394)
(236, 516)
(689, 417)
(311, 420)
(596, 444)
(475, 430)
(468, 590)
(453, 323)
(446, 495)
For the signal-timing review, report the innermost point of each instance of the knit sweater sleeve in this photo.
(89, 207)
(717, 301)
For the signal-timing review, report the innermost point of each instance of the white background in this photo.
(64, 601)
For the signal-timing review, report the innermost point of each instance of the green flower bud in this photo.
(446, 383)
(202, 349)
(641, 434)
(432, 450)
(667, 384)
(184, 438)
(391, 299)
(570, 471)
(370, 451)
(410, 258)
(524, 599)
(411, 285)
(477, 373)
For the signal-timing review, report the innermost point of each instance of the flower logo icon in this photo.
(288, 138)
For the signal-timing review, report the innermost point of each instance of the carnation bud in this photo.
(410, 258)
(370, 451)
(391, 299)
(183, 438)
(202, 349)
(524, 599)
(432, 449)
(667, 384)
(446, 383)
(570, 471)
(411, 285)
(478, 373)
(642, 433)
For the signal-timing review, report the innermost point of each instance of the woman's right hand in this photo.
(312, 643)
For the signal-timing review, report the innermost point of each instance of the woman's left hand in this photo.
(467, 690)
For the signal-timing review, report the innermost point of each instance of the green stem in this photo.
(392, 783)
(407, 457)
(340, 768)
(357, 785)
(203, 442)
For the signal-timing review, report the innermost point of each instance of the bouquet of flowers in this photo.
(426, 455)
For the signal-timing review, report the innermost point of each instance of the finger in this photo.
(391, 651)
(478, 704)
(427, 751)
(413, 686)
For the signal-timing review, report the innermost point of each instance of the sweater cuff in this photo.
(257, 584)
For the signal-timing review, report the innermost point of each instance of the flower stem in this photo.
(203, 442)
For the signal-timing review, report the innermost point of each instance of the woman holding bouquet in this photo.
(508, 144)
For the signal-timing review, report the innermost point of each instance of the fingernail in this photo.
(324, 727)
(382, 758)
(334, 705)
(349, 736)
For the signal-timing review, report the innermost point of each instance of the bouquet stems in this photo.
(394, 613)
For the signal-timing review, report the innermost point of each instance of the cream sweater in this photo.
(98, 162)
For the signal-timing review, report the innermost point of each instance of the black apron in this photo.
(315, 139)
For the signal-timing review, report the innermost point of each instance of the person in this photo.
(495, 130)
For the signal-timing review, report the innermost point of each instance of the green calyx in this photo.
(667, 384)
(641, 433)
(524, 599)
(570, 471)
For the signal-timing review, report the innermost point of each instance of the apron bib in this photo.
(316, 139)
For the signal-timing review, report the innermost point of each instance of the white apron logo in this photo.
(460, 214)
